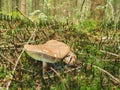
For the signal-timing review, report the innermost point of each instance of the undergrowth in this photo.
(92, 42)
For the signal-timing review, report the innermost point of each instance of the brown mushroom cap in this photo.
(52, 51)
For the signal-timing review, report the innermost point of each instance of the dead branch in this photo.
(6, 59)
(52, 76)
(110, 53)
(18, 59)
(23, 14)
(58, 74)
(114, 78)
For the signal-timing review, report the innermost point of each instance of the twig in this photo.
(116, 79)
(23, 14)
(110, 60)
(18, 44)
(18, 59)
(6, 59)
(58, 74)
(10, 45)
(110, 53)
(77, 68)
(82, 5)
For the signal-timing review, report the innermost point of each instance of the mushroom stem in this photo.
(44, 65)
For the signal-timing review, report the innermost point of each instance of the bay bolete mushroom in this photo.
(51, 52)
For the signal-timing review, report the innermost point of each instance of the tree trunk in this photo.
(18, 3)
(84, 9)
(23, 6)
(1, 5)
(116, 6)
(35, 5)
(54, 8)
(6, 6)
(98, 14)
(13, 5)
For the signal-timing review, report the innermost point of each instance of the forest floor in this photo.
(97, 50)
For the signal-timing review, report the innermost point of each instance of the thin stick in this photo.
(58, 74)
(110, 53)
(16, 63)
(116, 79)
(6, 59)
(52, 76)
(18, 59)
(23, 14)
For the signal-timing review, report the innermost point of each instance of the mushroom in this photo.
(51, 52)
